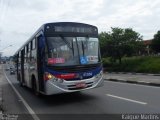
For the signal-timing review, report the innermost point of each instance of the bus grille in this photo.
(74, 69)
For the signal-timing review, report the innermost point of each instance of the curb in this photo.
(135, 82)
(133, 73)
(1, 100)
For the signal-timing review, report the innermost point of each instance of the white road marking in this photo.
(130, 100)
(33, 114)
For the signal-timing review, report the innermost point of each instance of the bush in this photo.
(134, 64)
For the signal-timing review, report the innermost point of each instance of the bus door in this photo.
(26, 65)
(40, 60)
(22, 67)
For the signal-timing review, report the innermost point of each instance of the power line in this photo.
(8, 5)
(4, 9)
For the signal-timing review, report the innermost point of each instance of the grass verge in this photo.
(141, 64)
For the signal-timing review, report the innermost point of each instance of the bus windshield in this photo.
(66, 51)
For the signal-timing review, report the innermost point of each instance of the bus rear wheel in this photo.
(20, 81)
(34, 87)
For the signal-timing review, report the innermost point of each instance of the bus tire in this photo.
(34, 87)
(20, 81)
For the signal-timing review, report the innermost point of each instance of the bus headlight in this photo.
(48, 76)
(99, 74)
(60, 80)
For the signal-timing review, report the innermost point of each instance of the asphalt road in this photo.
(112, 98)
(148, 78)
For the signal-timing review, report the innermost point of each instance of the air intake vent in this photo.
(71, 69)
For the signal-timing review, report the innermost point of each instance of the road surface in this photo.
(113, 98)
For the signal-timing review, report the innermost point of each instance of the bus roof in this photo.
(44, 26)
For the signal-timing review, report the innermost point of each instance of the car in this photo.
(12, 71)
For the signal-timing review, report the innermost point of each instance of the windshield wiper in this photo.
(68, 44)
(73, 48)
(82, 47)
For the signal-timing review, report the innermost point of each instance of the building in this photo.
(147, 44)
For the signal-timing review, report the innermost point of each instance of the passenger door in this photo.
(40, 60)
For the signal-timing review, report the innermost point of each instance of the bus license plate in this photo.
(81, 85)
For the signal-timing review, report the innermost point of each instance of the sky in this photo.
(19, 19)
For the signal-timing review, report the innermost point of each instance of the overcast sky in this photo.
(19, 19)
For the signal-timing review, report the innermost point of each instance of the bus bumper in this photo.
(52, 87)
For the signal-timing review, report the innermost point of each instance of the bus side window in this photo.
(19, 59)
(33, 44)
(29, 51)
(33, 51)
(25, 54)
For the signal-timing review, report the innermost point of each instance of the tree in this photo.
(155, 45)
(120, 42)
(104, 39)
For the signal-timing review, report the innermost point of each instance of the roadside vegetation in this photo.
(123, 50)
(140, 64)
